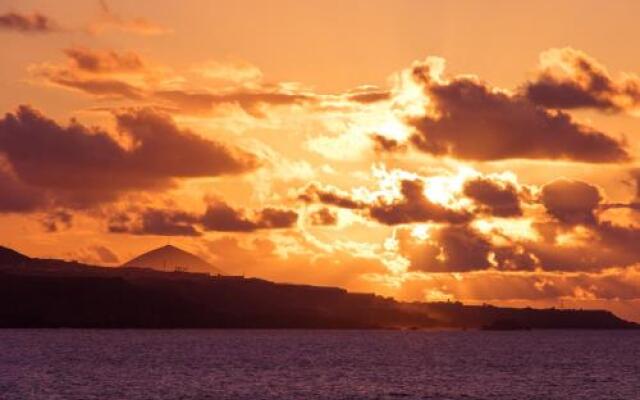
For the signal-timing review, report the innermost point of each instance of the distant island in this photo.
(50, 293)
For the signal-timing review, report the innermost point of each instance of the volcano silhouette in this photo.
(171, 258)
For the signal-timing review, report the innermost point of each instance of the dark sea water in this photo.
(253, 365)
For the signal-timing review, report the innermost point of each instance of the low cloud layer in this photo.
(470, 222)
(154, 221)
(218, 217)
(409, 202)
(572, 235)
(221, 217)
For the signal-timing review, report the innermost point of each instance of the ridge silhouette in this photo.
(48, 293)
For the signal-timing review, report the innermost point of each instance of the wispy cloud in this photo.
(110, 20)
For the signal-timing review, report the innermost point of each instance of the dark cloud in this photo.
(223, 218)
(382, 143)
(571, 202)
(553, 93)
(84, 166)
(314, 192)
(495, 198)
(322, 217)
(104, 61)
(474, 122)
(571, 79)
(54, 220)
(163, 149)
(157, 222)
(154, 221)
(461, 248)
(414, 207)
(17, 196)
(275, 218)
(23, 23)
(574, 239)
(621, 240)
(218, 216)
(602, 245)
(453, 249)
(599, 244)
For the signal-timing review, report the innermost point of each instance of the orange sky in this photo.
(477, 151)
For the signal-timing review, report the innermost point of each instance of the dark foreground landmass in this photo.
(38, 293)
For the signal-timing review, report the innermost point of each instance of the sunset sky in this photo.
(481, 151)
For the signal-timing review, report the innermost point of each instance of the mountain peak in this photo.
(171, 258)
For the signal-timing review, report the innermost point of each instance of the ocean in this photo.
(309, 364)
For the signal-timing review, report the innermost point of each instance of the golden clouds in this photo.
(381, 188)
(489, 222)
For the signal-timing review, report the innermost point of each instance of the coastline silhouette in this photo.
(50, 293)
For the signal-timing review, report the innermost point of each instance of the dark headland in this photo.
(49, 293)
